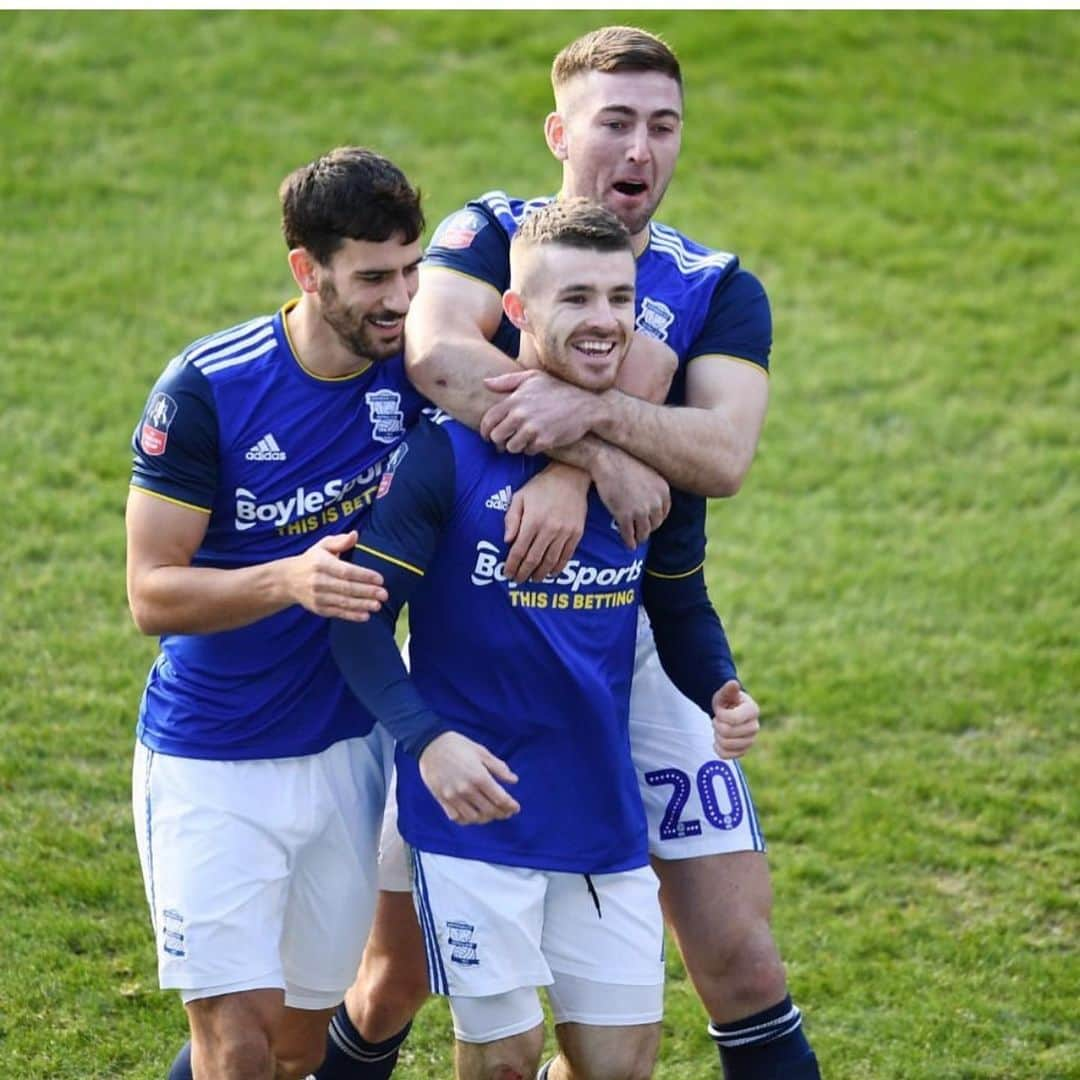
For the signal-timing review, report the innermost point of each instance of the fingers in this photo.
(342, 590)
(507, 382)
(513, 519)
(732, 742)
(495, 416)
(736, 720)
(339, 544)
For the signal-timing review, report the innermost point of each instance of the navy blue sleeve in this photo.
(690, 638)
(415, 500)
(738, 323)
(472, 242)
(175, 444)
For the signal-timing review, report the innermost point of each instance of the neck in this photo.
(527, 356)
(317, 346)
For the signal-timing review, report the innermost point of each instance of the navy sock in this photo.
(181, 1066)
(770, 1045)
(349, 1056)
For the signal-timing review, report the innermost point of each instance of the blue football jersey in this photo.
(277, 457)
(700, 302)
(539, 673)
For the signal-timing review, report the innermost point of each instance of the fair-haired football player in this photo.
(616, 130)
(535, 678)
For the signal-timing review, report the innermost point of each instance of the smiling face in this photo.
(576, 306)
(618, 136)
(364, 292)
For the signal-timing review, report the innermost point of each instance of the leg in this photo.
(608, 994)
(726, 944)
(369, 1029)
(371, 1025)
(295, 1035)
(513, 1058)
(392, 982)
(708, 851)
(605, 1053)
(231, 1035)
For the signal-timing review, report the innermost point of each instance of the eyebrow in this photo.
(626, 110)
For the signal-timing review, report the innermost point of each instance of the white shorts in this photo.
(490, 930)
(262, 874)
(695, 803)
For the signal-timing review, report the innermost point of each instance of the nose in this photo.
(638, 149)
(399, 294)
(603, 315)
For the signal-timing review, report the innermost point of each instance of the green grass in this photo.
(898, 574)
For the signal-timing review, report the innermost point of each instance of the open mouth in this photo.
(385, 322)
(596, 350)
(630, 187)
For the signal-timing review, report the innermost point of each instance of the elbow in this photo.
(724, 486)
(425, 367)
(145, 614)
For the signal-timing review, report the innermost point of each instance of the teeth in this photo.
(595, 348)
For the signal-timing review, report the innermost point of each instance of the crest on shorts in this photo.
(459, 936)
(387, 419)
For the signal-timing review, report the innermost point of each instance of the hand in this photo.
(328, 585)
(538, 413)
(545, 522)
(637, 496)
(461, 774)
(735, 720)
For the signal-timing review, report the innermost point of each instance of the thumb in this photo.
(512, 521)
(498, 768)
(506, 382)
(728, 696)
(338, 545)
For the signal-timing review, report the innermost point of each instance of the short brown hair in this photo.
(576, 223)
(349, 193)
(615, 48)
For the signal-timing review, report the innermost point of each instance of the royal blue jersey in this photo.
(700, 302)
(277, 458)
(539, 672)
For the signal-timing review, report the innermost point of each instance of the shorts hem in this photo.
(613, 978)
(666, 854)
(653, 1017)
(197, 993)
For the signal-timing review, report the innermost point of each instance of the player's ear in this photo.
(303, 270)
(555, 135)
(514, 308)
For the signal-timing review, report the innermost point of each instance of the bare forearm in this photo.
(451, 373)
(203, 600)
(697, 450)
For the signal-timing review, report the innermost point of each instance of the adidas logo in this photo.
(266, 449)
(501, 499)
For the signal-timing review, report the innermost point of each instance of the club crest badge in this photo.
(654, 318)
(387, 419)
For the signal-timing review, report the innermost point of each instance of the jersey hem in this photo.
(169, 499)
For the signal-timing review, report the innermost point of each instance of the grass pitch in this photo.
(898, 574)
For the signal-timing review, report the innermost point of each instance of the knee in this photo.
(300, 1062)
(627, 1059)
(745, 973)
(240, 1052)
(515, 1058)
(387, 994)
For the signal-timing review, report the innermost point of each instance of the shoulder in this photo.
(231, 348)
(691, 259)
